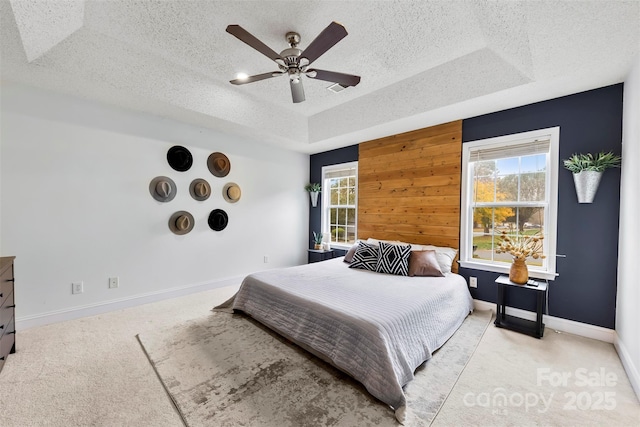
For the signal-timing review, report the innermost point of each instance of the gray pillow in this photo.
(348, 258)
(424, 263)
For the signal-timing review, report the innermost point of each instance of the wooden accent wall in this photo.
(409, 186)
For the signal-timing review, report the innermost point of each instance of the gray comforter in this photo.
(376, 327)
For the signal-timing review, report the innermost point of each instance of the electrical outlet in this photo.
(114, 282)
(77, 288)
(266, 259)
(473, 282)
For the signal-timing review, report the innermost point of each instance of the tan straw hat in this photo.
(163, 189)
(219, 164)
(200, 189)
(231, 192)
(181, 222)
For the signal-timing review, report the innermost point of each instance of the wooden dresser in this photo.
(7, 310)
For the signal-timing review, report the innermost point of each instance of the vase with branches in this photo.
(520, 248)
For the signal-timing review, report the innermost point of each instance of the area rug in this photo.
(228, 370)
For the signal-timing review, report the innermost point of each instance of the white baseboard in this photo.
(26, 322)
(557, 323)
(628, 363)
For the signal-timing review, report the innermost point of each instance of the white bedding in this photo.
(376, 327)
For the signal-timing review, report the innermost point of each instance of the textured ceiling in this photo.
(421, 62)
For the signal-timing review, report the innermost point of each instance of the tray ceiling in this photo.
(421, 62)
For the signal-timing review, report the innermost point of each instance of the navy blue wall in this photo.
(316, 162)
(585, 290)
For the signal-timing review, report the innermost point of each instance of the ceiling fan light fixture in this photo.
(295, 62)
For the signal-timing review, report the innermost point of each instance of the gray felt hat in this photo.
(181, 222)
(163, 189)
(200, 189)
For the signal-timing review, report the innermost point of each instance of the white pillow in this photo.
(391, 242)
(444, 255)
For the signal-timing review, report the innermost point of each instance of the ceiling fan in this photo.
(295, 62)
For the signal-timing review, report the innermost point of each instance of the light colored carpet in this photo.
(92, 372)
(559, 380)
(227, 370)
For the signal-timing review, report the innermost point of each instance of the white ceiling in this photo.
(421, 62)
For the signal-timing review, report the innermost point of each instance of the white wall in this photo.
(628, 296)
(76, 204)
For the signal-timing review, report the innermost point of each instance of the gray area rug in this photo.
(228, 370)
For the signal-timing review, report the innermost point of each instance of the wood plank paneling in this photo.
(409, 187)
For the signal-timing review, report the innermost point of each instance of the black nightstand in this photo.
(316, 255)
(503, 320)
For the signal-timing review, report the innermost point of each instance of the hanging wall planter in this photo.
(586, 183)
(314, 190)
(587, 170)
(314, 198)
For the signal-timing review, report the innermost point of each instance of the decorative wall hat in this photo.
(200, 189)
(219, 164)
(163, 189)
(179, 158)
(231, 192)
(218, 220)
(181, 222)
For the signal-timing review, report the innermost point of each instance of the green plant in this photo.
(317, 238)
(588, 162)
(313, 187)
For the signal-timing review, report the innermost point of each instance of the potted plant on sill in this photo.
(587, 170)
(317, 240)
(314, 189)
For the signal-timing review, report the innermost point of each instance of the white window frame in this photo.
(326, 199)
(466, 214)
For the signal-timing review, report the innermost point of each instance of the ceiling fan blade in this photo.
(332, 76)
(246, 37)
(325, 40)
(256, 78)
(297, 91)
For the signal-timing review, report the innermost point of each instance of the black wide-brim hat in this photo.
(218, 220)
(179, 158)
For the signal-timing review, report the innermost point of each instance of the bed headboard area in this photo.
(409, 187)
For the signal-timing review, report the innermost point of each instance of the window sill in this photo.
(340, 247)
(536, 274)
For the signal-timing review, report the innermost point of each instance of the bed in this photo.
(378, 328)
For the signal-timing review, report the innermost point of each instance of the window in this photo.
(339, 192)
(509, 184)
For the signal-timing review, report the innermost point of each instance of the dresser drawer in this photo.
(6, 284)
(6, 313)
(7, 340)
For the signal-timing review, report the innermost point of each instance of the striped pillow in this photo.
(393, 259)
(365, 257)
